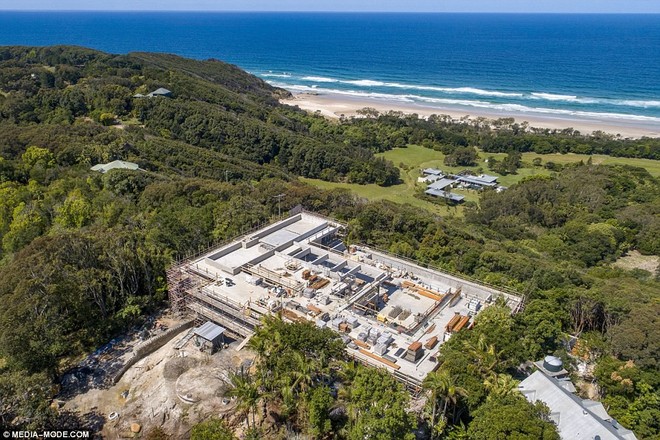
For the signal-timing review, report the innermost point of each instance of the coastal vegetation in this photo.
(84, 254)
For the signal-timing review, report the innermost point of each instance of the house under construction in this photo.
(391, 313)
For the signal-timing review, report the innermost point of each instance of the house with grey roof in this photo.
(452, 197)
(440, 188)
(576, 418)
(478, 182)
(160, 92)
(432, 172)
(442, 184)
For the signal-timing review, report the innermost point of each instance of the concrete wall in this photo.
(220, 266)
(151, 345)
(224, 251)
(277, 226)
(313, 231)
(469, 288)
(262, 257)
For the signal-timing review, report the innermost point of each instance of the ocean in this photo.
(605, 66)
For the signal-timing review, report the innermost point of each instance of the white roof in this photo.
(576, 419)
(115, 164)
(160, 91)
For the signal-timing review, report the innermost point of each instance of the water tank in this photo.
(553, 363)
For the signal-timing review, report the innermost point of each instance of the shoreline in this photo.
(334, 106)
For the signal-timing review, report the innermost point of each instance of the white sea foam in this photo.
(504, 107)
(637, 103)
(553, 97)
(276, 75)
(366, 83)
(604, 101)
(537, 96)
(321, 79)
(457, 90)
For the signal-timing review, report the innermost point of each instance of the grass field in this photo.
(413, 158)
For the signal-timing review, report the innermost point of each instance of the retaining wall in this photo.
(151, 345)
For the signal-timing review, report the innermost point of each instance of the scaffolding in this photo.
(179, 283)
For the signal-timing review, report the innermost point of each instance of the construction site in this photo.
(390, 312)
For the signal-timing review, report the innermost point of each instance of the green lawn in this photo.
(402, 193)
(415, 157)
(652, 166)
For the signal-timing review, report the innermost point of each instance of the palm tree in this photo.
(246, 392)
(443, 387)
(347, 371)
(500, 385)
(485, 356)
(306, 370)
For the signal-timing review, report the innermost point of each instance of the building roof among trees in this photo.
(160, 92)
(576, 419)
(115, 164)
(432, 171)
(444, 194)
(483, 180)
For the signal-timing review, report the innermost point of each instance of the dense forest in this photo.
(83, 254)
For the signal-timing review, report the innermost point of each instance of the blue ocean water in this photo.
(606, 66)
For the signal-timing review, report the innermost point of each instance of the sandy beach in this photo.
(334, 106)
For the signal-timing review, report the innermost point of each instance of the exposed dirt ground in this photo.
(172, 389)
(635, 260)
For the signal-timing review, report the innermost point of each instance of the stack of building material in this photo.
(273, 305)
(255, 281)
(408, 284)
(384, 339)
(452, 322)
(315, 310)
(429, 294)
(292, 304)
(324, 300)
(320, 323)
(396, 311)
(362, 336)
(353, 322)
(309, 293)
(320, 283)
(380, 349)
(344, 327)
(336, 322)
(373, 336)
(461, 323)
(431, 342)
(404, 315)
(474, 305)
(415, 352)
